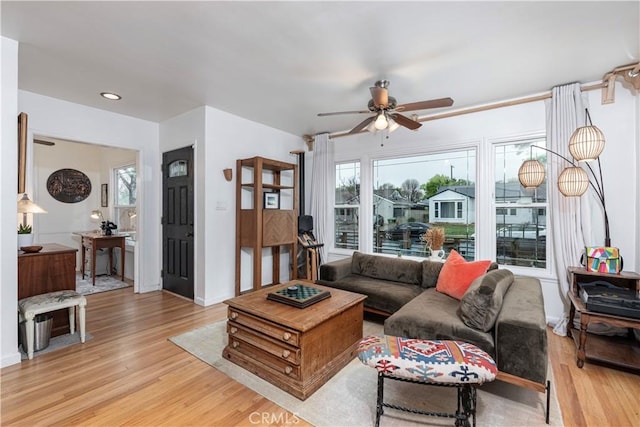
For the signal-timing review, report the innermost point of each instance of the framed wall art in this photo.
(104, 195)
(22, 151)
(69, 185)
(272, 200)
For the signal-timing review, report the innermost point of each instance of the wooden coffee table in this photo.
(297, 350)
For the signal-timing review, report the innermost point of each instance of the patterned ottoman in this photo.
(431, 362)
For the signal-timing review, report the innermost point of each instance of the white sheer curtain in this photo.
(565, 113)
(321, 189)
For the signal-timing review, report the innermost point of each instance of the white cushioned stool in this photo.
(431, 362)
(45, 303)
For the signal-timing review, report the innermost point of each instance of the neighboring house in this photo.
(454, 205)
(382, 208)
(511, 192)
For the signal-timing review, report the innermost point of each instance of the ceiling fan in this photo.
(387, 111)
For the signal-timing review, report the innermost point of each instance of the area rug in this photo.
(103, 284)
(348, 399)
(57, 343)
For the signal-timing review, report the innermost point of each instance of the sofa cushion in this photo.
(382, 295)
(457, 274)
(521, 330)
(432, 316)
(387, 268)
(480, 305)
(430, 272)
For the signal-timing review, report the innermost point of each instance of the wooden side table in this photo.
(52, 269)
(619, 351)
(95, 241)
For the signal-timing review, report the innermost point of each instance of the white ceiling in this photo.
(281, 63)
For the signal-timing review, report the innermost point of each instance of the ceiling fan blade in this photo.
(380, 96)
(423, 105)
(344, 112)
(405, 121)
(361, 125)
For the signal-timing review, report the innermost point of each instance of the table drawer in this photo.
(275, 347)
(266, 358)
(265, 327)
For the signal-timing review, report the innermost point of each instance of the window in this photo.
(347, 205)
(125, 185)
(124, 195)
(521, 220)
(413, 194)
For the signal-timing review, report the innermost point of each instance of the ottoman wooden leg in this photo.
(72, 319)
(379, 405)
(466, 405)
(81, 321)
(29, 332)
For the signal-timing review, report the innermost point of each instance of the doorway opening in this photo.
(66, 222)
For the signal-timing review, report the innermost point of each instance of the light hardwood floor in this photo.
(130, 374)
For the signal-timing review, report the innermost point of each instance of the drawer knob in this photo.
(233, 330)
(286, 336)
(288, 370)
(235, 344)
(234, 315)
(286, 353)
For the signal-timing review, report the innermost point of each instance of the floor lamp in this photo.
(585, 145)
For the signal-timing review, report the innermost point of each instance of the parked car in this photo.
(414, 229)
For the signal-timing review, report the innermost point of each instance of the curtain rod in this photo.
(606, 98)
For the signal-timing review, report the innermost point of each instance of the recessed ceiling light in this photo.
(110, 95)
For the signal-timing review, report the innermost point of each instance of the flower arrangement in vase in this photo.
(434, 239)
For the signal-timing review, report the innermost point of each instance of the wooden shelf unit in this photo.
(257, 227)
(619, 351)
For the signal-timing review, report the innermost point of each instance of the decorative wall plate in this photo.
(69, 186)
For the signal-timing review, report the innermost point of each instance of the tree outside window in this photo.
(125, 183)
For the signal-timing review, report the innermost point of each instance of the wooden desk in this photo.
(51, 269)
(95, 241)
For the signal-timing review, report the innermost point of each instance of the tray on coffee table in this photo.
(298, 295)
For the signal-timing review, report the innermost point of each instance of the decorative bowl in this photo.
(31, 249)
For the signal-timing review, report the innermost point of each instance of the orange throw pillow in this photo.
(457, 274)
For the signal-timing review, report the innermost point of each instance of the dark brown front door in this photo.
(177, 221)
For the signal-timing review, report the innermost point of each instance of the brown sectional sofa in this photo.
(405, 291)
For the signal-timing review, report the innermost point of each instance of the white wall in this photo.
(220, 139)
(188, 129)
(618, 121)
(63, 219)
(65, 120)
(8, 191)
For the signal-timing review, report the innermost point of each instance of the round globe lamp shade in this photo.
(531, 174)
(586, 143)
(573, 181)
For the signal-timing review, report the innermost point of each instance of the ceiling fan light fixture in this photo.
(372, 127)
(393, 125)
(381, 122)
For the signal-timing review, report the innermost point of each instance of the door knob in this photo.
(188, 234)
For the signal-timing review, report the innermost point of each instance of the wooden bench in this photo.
(430, 362)
(30, 307)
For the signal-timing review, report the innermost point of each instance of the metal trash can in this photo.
(42, 332)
